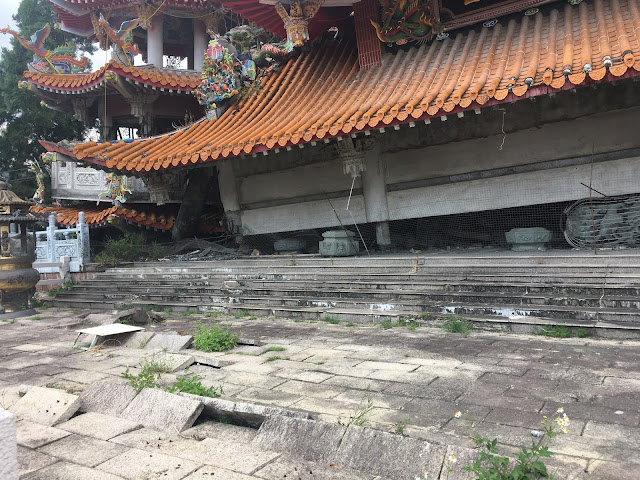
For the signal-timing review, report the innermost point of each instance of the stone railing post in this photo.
(84, 251)
(51, 239)
(8, 446)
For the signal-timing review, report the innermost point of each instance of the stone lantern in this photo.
(17, 252)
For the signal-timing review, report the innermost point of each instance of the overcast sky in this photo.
(8, 8)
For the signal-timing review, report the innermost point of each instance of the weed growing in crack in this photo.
(273, 358)
(190, 312)
(214, 338)
(398, 427)
(194, 386)
(528, 463)
(331, 320)
(361, 416)
(276, 349)
(456, 324)
(556, 331)
(241, 314)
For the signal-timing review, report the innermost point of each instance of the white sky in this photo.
(8, 8)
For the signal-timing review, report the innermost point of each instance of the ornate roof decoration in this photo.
(124, 50)
(296, 21)
(404, 22)
(322, 93)
(60, 60)
(173, 80)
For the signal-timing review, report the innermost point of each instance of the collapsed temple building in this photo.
(427, 123)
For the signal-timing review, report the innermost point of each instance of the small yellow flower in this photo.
(458, 414)
(560, 410)
(452, 459)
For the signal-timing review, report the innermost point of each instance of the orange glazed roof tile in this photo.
(95, 216)
(322, 93)
(178, 80)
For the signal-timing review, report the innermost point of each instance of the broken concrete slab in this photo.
(136, 339)
(307, 439)
(34, 435)
(108, 398)
(46, 406)
(160, 410)
(82, 450)
(171, 362)
(141, 464)
(97, 425)
(8, 445)
(388, 455)
(70, 471)
(102, 318)
(169, 342)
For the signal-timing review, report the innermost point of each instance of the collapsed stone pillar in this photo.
(230, 198)
(192, 204)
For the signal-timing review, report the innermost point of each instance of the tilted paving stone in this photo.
(47, 406)
(252, 367)
(82, 450)
(109, 398)
(137, 464)
(70, 471)
(99, 426)
(146, 439)
(306, 439)
(334, 407)
(34, 435)
(169, 343)
(384, 400)
(154, 408)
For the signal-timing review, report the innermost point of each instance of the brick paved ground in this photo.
(416, 379)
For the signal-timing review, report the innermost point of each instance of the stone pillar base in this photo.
(383, 235)
(339, 243)
(528, 239)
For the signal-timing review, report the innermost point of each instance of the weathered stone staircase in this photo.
(497, 290)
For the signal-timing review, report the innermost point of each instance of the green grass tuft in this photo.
(456, 324)
(331, 320)
(214, 338)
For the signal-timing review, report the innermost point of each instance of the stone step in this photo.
(494, 276)
(532, 323)
(376, 270)
(404, 308)
(318, 293)
(479, 257)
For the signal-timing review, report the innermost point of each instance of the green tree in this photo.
(23, 121)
